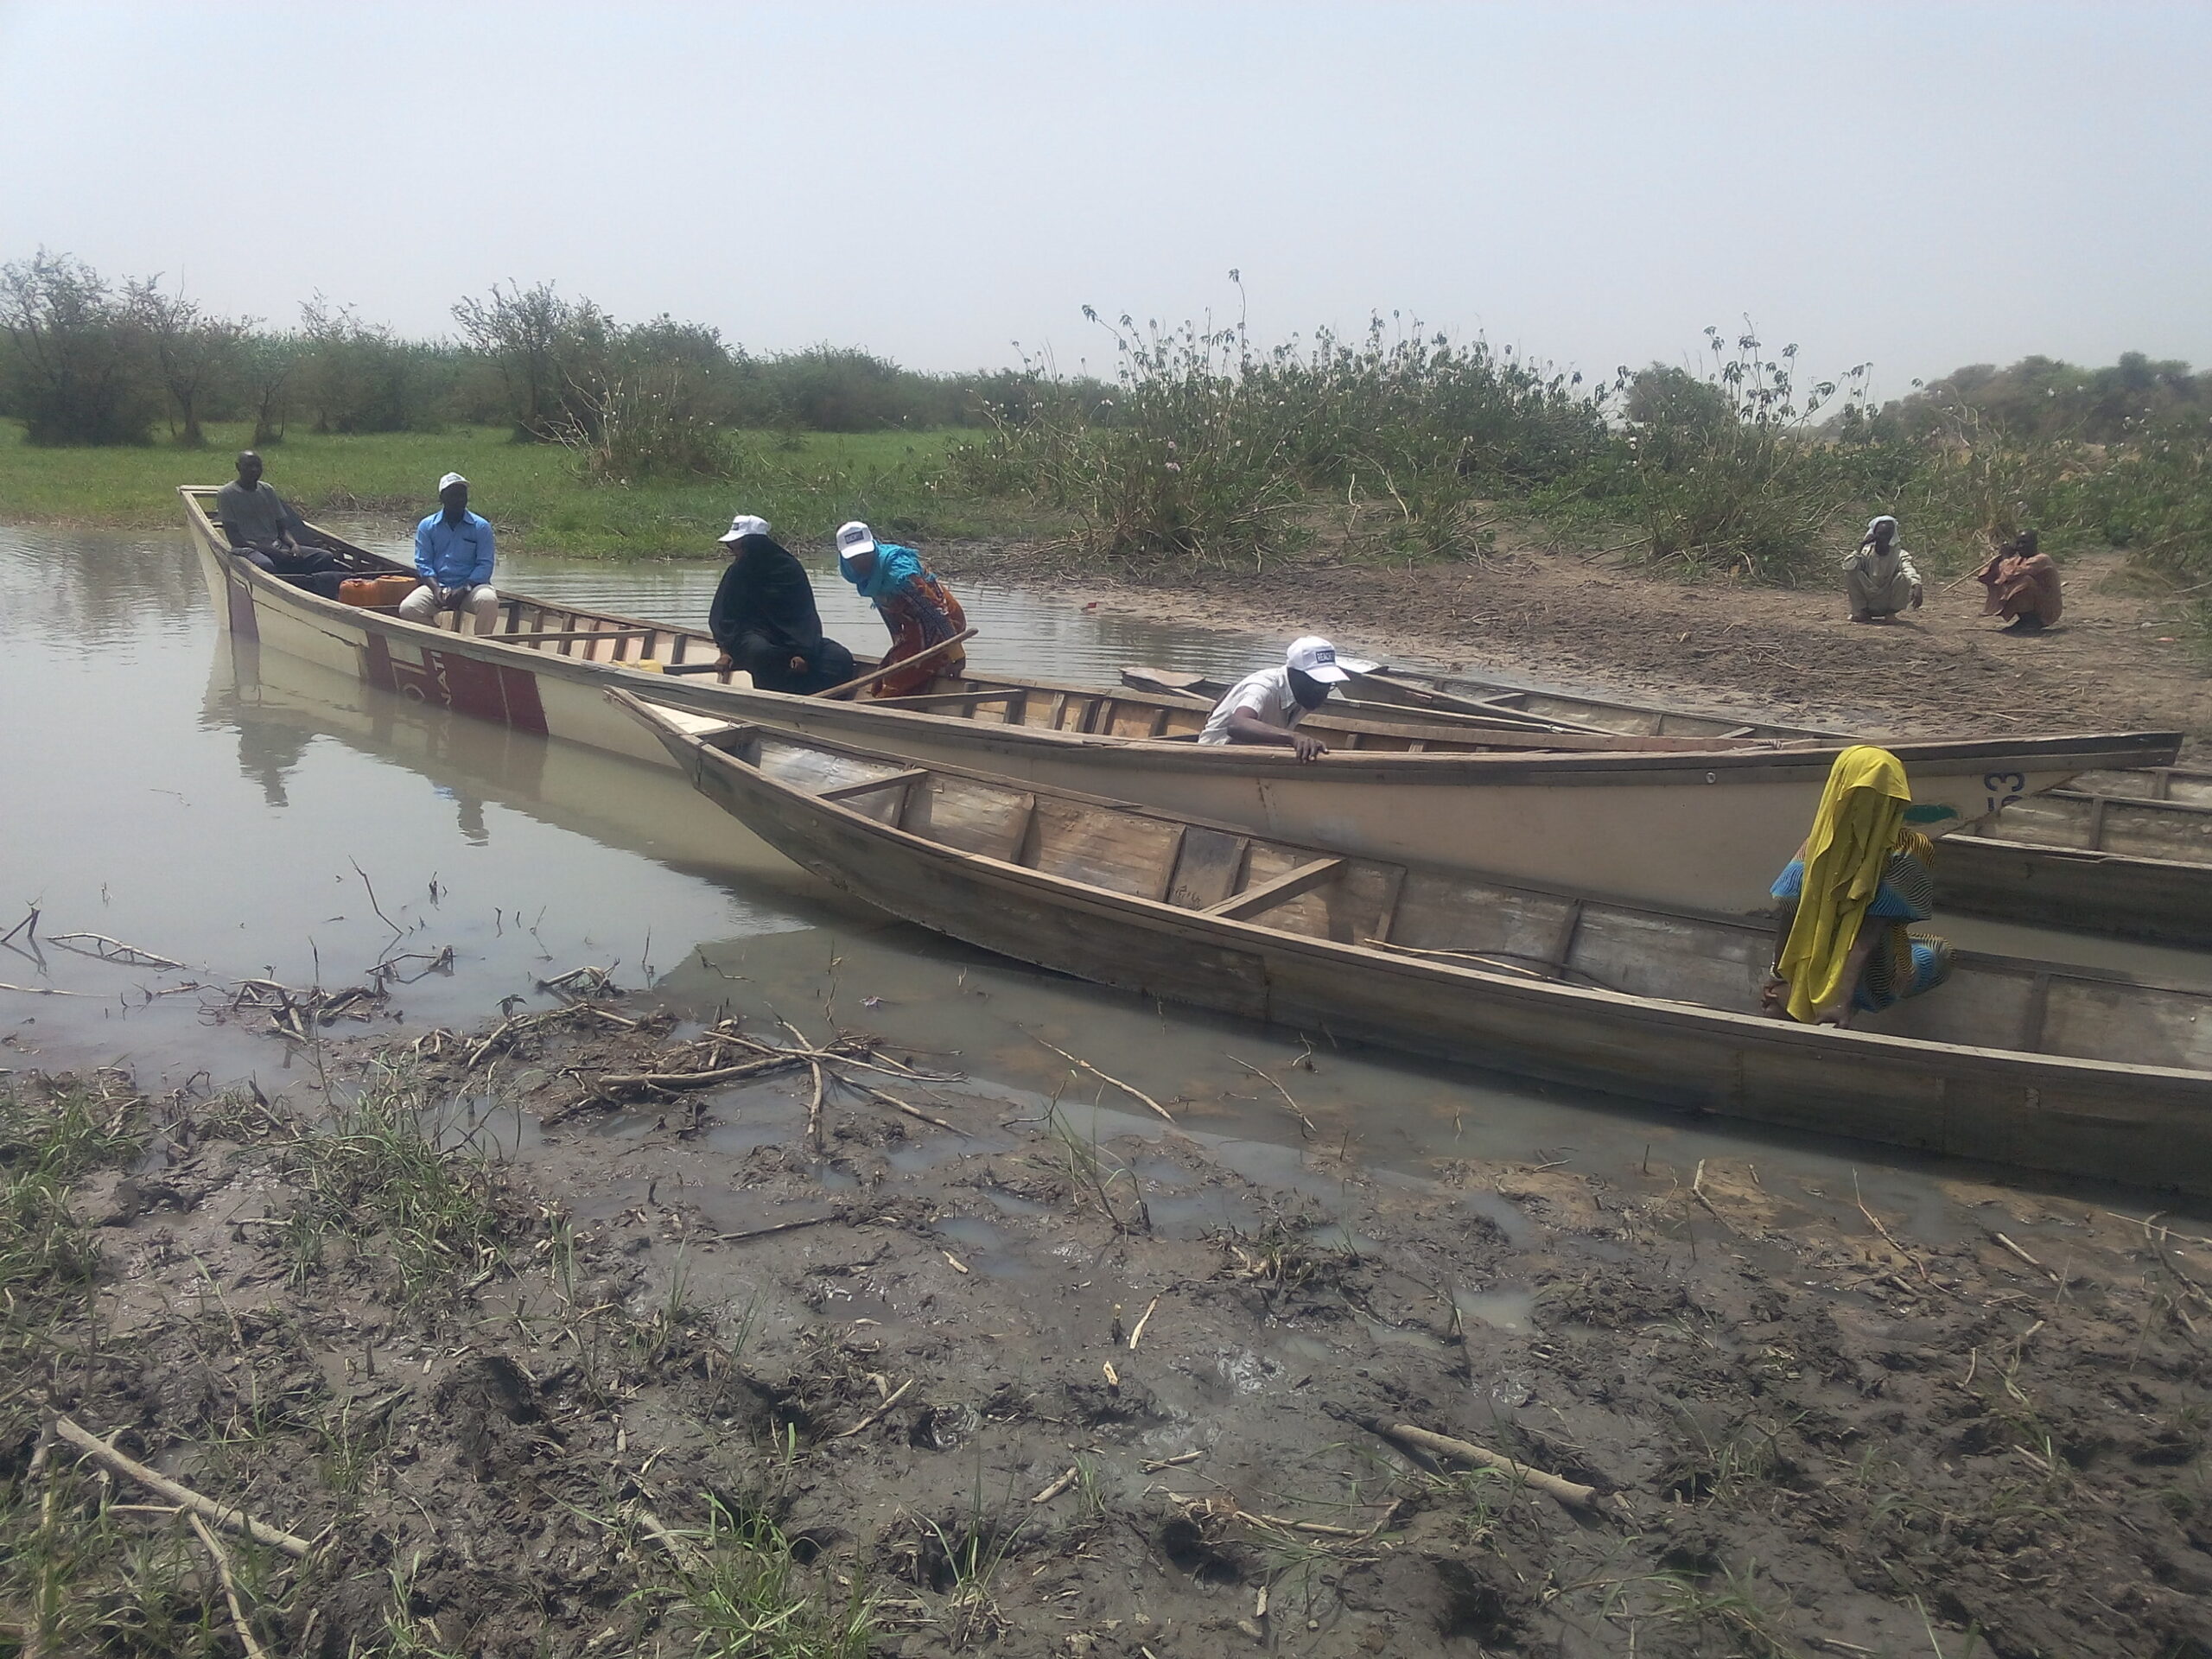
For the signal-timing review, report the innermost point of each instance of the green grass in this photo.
(806, 485)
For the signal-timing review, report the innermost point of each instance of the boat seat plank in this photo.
(1122, 852)
(970, 816)
(817, 770)
(1207, 871)
(1278, 890)
(845, 791)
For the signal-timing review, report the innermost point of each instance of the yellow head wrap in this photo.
(1861, 820)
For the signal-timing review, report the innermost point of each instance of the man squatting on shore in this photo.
(1879, 576)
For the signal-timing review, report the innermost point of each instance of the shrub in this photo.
(78, 364)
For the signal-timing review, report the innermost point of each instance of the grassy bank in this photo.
(806, 485)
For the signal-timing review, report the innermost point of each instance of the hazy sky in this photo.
(1922, 186)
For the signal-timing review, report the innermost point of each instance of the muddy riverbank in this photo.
(2124, 658)
(539, 1356)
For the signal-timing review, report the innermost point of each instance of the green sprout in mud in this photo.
(741, 1591)
(376, 1174)
(1096, 1176)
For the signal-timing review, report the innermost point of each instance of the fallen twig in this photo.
(222, 1560)
(779, 1227)
(892, 1399)
(231, 1520)
(2024, 1255)
(1126, 1088)
(1919, 1267)
(1060, 1485)
(106, 949)
(1143, 1320)
(1304, 1123)
(1571, 1493)
(40, 991)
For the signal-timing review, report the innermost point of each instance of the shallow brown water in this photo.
(249, 815)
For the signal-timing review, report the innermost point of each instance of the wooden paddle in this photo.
(943, 648)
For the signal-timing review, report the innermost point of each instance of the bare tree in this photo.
(197, 354)
(79, 358)
(551, 352)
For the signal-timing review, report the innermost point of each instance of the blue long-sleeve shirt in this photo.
(453, 556)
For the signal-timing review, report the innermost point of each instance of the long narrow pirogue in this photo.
(1658, 818)
(2125, 851)
(2017, 1062)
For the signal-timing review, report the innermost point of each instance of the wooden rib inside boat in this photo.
(2016, 1061)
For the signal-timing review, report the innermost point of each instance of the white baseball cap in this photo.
(449, 481)
(746, 525)
(854, 539)
(1316, 658)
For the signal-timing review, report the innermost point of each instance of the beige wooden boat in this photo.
(2015, 1062)
(1637, 817)
(2136, 868)
(517, 677)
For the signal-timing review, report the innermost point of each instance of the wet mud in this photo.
(1018, 1372)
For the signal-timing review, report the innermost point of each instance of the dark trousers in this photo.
(312, 568)
(830, 663)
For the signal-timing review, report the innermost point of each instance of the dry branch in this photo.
(222, 1560)
(1571, 1493)
(230, 1519)
(1126, 1088)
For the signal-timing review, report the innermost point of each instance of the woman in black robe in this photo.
(764, 617)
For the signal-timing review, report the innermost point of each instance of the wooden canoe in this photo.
(2056, 859)
(1662, 823)
(2031, 1063)
(505, 676)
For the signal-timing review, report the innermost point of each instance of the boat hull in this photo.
(2138, 1124)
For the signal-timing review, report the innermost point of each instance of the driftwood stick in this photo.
(1304, 1123)
(222, 1560)
(672, 1080)
(896, 1396)
(860, 683)
(779, 1227)
(1571, 1493)
(814, 1106)
(1126, 1088)
(107, 950)
(30, 922)
(1918, 1266)
(1060, 1484)
(897, 1105)
(39, 990)
(231, 1520)
(655, 1529)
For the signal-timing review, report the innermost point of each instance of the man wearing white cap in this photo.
(764, 617)
(453, 555)
(1265, 708)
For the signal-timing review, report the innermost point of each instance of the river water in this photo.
(248, 816)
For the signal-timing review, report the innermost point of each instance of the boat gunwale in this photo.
(1952, 1058)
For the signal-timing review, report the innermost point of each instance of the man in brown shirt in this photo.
(265, 530)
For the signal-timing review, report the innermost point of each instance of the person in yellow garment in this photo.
(1844, 901)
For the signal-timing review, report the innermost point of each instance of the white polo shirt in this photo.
(1266, 694)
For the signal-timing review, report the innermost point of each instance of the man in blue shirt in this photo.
(453, 555)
